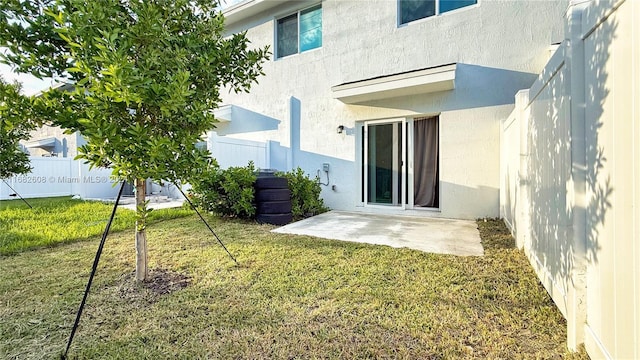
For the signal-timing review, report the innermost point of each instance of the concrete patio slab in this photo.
(156, 206)
(432, 235)
(155, 202)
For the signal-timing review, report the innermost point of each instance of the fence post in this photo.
(523, 212)
(75, 173)
(212, 143)
(267, 153)
(575, 61)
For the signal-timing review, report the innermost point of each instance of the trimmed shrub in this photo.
(226, 192)
(305, 194)
(231, 192)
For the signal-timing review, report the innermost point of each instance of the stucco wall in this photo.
(66, 145)
(499, 46)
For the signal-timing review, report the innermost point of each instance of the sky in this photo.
(30, 84)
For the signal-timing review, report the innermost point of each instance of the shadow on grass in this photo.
(495, 235)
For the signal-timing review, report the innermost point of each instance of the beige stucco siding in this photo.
(498, 46)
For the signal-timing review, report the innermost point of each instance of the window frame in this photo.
(297, 13)
(437, 12)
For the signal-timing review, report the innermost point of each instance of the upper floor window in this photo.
(299, 32)
(411, 10)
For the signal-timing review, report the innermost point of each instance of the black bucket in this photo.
(273, 199)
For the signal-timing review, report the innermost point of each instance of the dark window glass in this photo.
(411, 10)
(287, 33)
(448, 5)
(299, 32)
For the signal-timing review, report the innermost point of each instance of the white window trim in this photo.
(275, 30)
(437, 14)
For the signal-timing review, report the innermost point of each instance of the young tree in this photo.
(15, 125)
(147, 75)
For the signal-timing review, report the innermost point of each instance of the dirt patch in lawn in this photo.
(160, 282)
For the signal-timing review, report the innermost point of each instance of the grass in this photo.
(291, 297)
(60, 220)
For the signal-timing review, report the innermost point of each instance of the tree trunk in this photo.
(142, 272)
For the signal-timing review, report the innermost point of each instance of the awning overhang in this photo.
(223, 113)
(423, 81)
(45, 143)
(234, 119)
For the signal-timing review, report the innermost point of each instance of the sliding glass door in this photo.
(384, 154)
(388, 145)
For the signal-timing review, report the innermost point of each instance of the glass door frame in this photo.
(408, 159)
(401, 199)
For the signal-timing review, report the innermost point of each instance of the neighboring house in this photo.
(395, 104)
(51, 141)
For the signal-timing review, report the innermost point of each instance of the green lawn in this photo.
(58, 220)
(291, 297)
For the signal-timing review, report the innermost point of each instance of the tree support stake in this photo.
(93, 272)
(16, 193)
(206, 223)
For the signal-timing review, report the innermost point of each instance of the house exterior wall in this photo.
(66, 145)
(498, 47)
(571, 194)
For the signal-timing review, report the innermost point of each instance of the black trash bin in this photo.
(273, 199)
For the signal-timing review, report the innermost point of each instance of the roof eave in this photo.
(248, 8)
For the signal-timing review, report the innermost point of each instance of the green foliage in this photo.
(30, 38)
(227, 192)
(230, 192)
(146, 76)
(305, 194)
(15, 125)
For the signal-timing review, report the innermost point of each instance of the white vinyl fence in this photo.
(236, 152)
(53, 176)
(570, 177)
